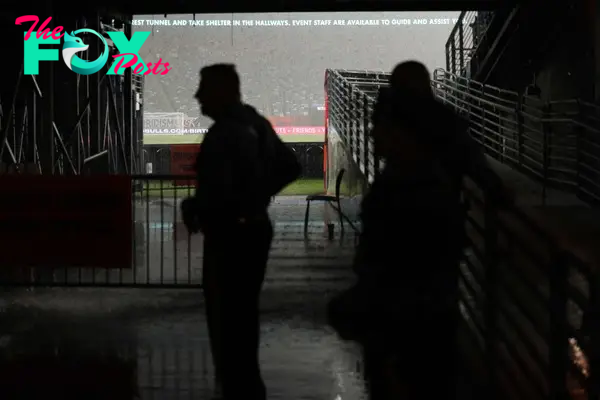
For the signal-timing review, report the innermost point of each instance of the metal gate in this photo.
(164, 255)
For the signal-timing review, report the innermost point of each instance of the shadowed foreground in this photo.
(106, 343)
(98, 343)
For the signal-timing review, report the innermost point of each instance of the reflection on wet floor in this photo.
(166, 255)
(154, 341)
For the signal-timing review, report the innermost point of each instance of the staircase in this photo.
(523, 297)
(556, 143)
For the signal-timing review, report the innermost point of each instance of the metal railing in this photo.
(351, 96)
(160, 158)
(523, 296)
(164, 256)
(557, 143)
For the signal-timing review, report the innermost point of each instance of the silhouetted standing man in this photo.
(460, 153)
(409, 250)
(404, 305)
(235, 184)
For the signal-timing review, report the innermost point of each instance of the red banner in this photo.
(300, 130)
(183, 160)
(66, 221)
(326, 139)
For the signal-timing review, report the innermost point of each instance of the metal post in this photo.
(106, 138)
(326, 141)
(453, 60)
(10, 98)
(95, 112)
(366, 141)
(461, 49)
(65, 111)
(520, 130)
(32, 129)
(87, 94)
(484, 141)
(139, 119)
(81, 98)
(118, 141)
(350, 124)
(447, 57)
(129, 109)
(469, 102)
(46, 145)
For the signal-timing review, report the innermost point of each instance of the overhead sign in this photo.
(66, 221)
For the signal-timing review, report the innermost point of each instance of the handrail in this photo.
(520, 289)
(533, 137)
(552, 141)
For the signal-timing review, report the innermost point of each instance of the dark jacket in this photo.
(441, 129)
(407, 259)
(229, 168)
(412, 230)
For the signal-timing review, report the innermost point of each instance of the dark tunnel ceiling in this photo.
(129, 7)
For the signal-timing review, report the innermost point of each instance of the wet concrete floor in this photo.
(160, 334)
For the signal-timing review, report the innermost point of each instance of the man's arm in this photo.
(214, 169)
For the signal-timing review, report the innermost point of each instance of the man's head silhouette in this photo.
(413, 76)
(400, 118)
(219, 88)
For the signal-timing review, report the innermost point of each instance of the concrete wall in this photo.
(569, 70)
(565, 68)
(353, 184)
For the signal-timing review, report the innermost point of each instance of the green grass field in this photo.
(301, 187)
(193, 139)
